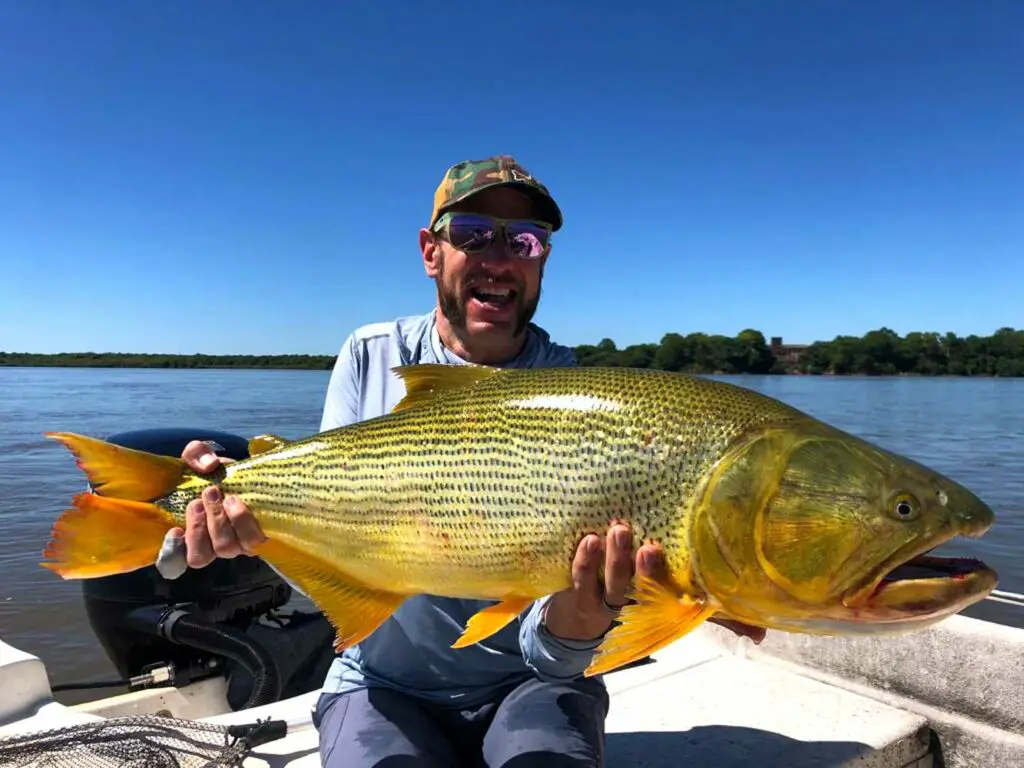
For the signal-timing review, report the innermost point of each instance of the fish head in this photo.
(806, 528)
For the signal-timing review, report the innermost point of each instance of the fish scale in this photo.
(487, 489)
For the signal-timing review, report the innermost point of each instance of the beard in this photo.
(452, 300)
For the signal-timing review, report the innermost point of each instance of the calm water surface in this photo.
(972, 430)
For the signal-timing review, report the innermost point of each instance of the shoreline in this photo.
(327, 367)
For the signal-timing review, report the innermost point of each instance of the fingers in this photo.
(214, 526)
(218, 525)
(585, 568)
(651, 562)
(618, 565)
(197, 538)
(247, 530)
(199, 456)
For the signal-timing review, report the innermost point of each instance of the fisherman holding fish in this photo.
(404, 691)
(441, 473)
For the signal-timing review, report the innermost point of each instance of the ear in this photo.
(430, 248)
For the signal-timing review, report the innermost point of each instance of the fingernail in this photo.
(207, 461)
(622, 537)
(647, 558)
(593, 545)
(212, 494)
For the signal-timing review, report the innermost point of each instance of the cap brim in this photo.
(547, 208)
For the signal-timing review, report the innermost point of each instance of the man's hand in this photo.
(214, 526)
(586, 610)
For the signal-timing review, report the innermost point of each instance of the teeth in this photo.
(491, 292)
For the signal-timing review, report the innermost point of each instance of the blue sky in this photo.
(238, 177)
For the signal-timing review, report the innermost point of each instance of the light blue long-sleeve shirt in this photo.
(412, 650)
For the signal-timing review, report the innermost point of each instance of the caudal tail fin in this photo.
(119, 472)
(102, 537)
(115, 529)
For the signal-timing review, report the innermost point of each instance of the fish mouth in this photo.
(915, 586)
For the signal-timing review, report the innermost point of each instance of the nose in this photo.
(973, 515)
(497, 254)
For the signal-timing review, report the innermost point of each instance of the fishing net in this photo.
(139, 742)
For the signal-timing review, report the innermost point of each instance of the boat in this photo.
(223, 666)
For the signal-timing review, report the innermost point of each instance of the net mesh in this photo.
(138, 742)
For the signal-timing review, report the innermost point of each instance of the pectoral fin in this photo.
(486, 622)
(353, 609)
(658, 618)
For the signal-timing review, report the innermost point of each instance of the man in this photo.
(403, 692)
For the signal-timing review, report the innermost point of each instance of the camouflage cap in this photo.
(471, 176)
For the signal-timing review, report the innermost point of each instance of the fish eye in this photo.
(905, 507)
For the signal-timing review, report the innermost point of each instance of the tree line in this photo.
(878, 352)
(135, 360)
(881, 352)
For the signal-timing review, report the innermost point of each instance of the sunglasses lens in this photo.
(471, 233)
(526, 240)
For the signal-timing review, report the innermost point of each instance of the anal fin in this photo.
(657, 619)
(491, 619)
(353, 609)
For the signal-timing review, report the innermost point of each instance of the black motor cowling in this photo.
(200, 622)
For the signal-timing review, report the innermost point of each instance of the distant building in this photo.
(787, 353)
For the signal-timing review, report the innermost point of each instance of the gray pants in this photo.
(546, 725)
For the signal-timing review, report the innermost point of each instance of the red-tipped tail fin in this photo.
(122, 473)
(103, 537)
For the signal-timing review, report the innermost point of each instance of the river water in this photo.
(970, 429)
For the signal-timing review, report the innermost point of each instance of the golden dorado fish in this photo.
(482, 482)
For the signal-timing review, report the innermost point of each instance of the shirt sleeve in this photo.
(341, 405)
(553, 658)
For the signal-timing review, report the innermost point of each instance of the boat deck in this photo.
(952, 695)
(700, 705)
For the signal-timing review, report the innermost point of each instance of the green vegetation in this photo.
(879, 352)
(132, 360)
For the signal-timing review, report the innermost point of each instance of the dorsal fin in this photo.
(263, 443)
(425, 380)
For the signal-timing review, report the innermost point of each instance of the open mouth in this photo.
(492, 296)
(929, 568)
(925, 585)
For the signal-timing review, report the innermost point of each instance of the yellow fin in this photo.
(120, 472)
(100, 536)
(657, 618)
(425, 380)
(486, 622)
(354, 610)
(263, 443)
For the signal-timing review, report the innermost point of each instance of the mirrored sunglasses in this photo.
(474, 233)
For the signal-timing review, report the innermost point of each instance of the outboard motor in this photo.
(205, 622)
